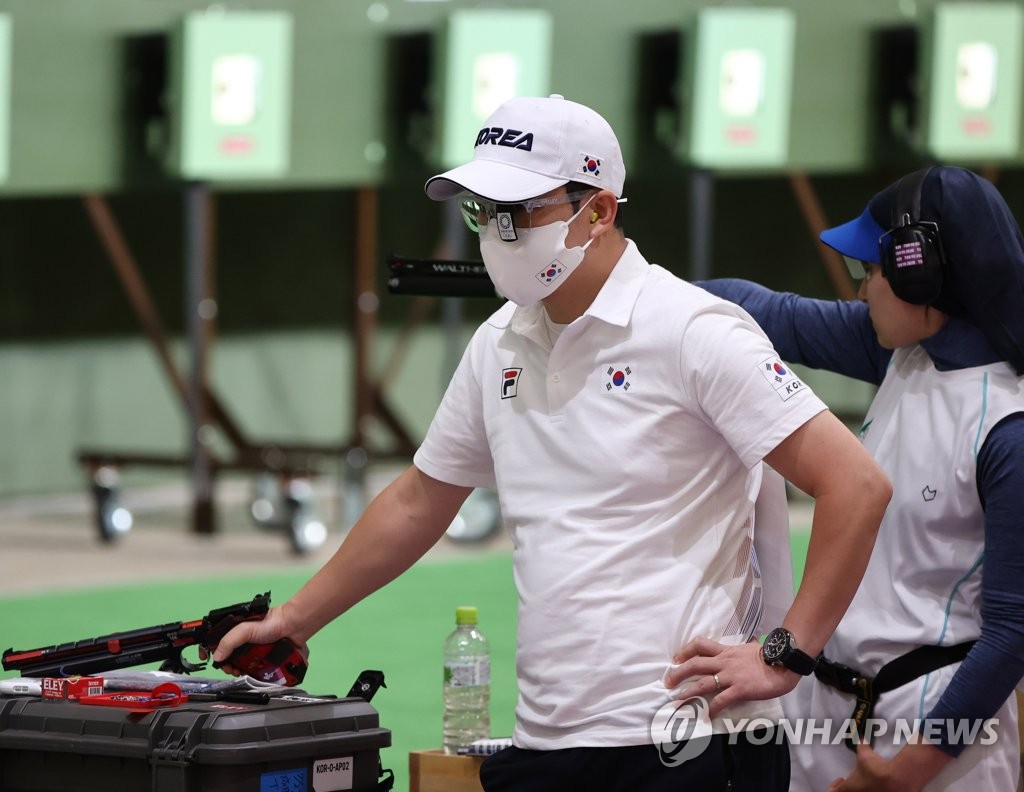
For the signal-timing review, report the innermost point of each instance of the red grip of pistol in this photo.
(279, 662)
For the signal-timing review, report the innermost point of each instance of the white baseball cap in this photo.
(531, 145)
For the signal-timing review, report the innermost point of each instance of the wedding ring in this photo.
(718, 685)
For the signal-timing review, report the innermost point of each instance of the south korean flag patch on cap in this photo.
(589, 165)
(551, 273)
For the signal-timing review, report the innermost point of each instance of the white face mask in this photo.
(530, 269)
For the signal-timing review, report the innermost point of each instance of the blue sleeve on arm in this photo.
(832, 335)
(995, 664)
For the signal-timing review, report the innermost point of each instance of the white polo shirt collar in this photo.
(613, 304)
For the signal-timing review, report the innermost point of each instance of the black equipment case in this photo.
(289, 744)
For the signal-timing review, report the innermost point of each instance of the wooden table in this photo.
(436, 771)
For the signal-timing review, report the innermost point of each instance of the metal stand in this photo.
(702, 211)
(291, 466)
(807, 200)
(199, 309)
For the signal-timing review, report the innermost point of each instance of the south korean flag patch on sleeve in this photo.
(781, 378)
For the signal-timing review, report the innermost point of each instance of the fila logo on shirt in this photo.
(784, 381)
(510, 382)
(618, 378)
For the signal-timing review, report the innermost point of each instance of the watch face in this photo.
(775, 645)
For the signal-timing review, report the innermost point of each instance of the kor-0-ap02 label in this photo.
(332, 775)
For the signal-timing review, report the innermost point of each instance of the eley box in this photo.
(229, 95)
(737, 81)
(971, 75)
(482, 59)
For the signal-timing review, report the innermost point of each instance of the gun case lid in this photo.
(61, 745)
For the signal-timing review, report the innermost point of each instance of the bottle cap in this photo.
(465, 614)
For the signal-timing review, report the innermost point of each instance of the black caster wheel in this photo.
(288, 506)
(112, 519)
(478, 519)
(306, 532)
(267, 508)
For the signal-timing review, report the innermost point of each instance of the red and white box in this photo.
(71, 688)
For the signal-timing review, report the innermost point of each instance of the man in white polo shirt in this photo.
(624, 417)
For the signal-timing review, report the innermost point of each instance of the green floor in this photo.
(399, 630)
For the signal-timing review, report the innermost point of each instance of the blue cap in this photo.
(857, 239)
(983, 280)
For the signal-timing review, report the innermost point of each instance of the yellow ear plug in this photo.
(593, 217)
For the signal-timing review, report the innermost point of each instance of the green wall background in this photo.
(84, 78)
(74, 367)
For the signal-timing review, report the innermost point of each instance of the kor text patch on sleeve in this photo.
(786, 383)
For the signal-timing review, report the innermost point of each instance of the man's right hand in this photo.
(268, 630)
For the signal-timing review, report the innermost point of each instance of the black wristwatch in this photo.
(779, 649)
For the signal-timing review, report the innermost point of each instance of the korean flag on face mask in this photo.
(551, 273)
(513, 266)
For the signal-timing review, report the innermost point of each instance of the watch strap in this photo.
(800, 662)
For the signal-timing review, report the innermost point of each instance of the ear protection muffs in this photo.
(910, 252)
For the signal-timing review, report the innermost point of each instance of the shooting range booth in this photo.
(727, 112)
(736, 81)
(225, 120)
(949, 85)
(970, 67)
(739, 75)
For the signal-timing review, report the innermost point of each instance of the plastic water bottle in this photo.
(467, 683)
